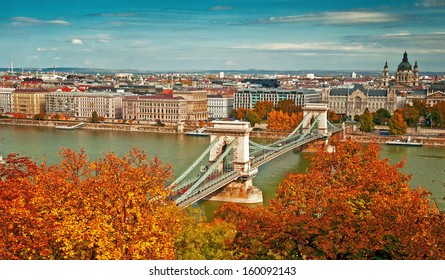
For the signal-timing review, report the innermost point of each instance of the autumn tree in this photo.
(112, 208)
(366, 121)
(350, 205)
(262, 108)
(280, 121)
(203, 240)
(411, 115)
(397, 124)
(420, 106)
(333, 117)
(288, 106)
(438, 114)
(239, 114)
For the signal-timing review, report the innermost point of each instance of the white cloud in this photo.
(337, 18)
(77, 42)
(40, 49)
(221, 8)
(230, 62)
(19, 21)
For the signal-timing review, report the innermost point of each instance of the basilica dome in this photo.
(404, 65)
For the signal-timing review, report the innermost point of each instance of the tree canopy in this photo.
(83, 209)
(366, 121)
(350, 205)
(397, 124)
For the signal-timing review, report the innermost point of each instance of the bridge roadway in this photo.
(211, 185)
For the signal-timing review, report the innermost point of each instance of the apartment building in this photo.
(247, 97)
(219, 106)
(106, 104)
(150, 108)
(6, 100)
(196, 104)
(29, 101)
(59, 102)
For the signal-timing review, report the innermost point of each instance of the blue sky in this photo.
(223, 34)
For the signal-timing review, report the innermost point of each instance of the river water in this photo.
(427, 164)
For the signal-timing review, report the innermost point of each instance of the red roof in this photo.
(167, 91)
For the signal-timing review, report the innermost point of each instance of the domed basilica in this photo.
(406, 75)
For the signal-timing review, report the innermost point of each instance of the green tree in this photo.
(94, 117)
(397, 124)
(366, 121)
(382, 116)
(39, 117)
(253, 117)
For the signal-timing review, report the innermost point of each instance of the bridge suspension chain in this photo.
(263, 147)
(197, 161)
(204, 176)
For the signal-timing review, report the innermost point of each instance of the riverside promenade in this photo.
(429, 137)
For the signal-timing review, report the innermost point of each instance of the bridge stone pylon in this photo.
(241, 190)
(319, 111)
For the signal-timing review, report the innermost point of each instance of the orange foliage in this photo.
(351, 205)
(279, 121)
(87, 210)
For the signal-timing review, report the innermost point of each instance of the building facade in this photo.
(29, 101)
(354, 101)
(106, 104)
(436, 94)
(59, 102)
(150, 108)
(6, 100)
(246, 98)
(219, 106)
(196, 104)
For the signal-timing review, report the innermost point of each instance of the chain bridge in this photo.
(224, 171)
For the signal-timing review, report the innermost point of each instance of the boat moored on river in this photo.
(405, 142)
(67, 127)
(198, 132)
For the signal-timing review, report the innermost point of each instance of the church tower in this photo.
(385, 78)
(416, 75)
(405, 73)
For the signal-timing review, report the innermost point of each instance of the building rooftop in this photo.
(348, 91)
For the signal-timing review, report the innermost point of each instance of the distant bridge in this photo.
(231, 160)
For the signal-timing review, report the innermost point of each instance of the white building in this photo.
(246, 98)
(151, 108)
(6, 100)
(106, 104)
(219, 106)
(59, 102)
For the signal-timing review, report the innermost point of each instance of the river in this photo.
(425, 163)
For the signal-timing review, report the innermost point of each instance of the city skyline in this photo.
(225, 35)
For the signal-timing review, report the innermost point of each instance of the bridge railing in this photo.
(208, 188)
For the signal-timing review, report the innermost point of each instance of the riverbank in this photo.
(171, 129)
(381, 139)
(428, 137)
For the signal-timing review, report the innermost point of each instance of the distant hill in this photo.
(320, 73)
